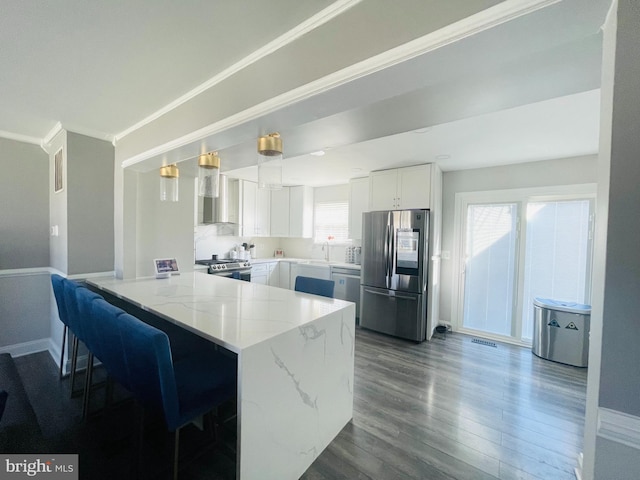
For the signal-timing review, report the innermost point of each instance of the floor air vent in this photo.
(484, 342)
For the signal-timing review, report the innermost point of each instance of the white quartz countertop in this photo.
(231, 313)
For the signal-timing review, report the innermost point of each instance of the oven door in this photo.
(242, 274)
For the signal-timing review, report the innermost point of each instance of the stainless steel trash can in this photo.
(561, 331)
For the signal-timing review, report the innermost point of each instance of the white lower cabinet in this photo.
(268, 273)
(260, 273)
(284, 272)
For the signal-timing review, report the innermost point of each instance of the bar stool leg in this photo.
(74, 364)
(87, 387)
(64, 340)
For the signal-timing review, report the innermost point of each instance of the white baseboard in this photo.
(619, 427)
(578, 469)
(26, 348)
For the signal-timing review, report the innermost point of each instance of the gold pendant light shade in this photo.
(270, 161)
(169, 175)
(209, 175)
(270, 145)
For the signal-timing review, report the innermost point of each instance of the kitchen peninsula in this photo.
(295, 356)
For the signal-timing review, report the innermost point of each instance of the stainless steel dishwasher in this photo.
(347, 286)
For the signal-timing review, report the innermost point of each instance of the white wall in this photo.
(568, 171)
(163, 229)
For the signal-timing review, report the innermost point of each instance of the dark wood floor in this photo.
(445, 409)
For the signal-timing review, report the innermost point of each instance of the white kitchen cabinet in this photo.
(233, 205)
(400, 188)
(280, 212)
(266, 273)
(249, 191)
(358, 203)
(284, 272)
(260, 273)
(292, 212)
(274, 274)
(301, 212)
(263, 212)
(256, 210)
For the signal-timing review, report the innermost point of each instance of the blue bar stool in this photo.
(181, 390)
(316, 286)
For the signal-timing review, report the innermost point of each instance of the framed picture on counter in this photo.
(165, 267)
(57, 172)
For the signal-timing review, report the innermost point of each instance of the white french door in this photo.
(489, 270)
(513, 251)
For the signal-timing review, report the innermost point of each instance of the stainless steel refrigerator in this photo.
(393, 285)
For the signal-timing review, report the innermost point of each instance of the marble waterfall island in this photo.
(295, 356)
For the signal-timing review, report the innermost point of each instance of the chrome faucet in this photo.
(326, 251)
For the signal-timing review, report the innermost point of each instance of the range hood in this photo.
(225, 208)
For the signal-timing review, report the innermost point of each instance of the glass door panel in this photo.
(557, 255)
(489, 274)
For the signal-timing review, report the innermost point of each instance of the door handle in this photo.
(376, 293)
(401, 297)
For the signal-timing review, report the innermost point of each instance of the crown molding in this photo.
(49, 137)
(298, 31)
(481, 21)
(19, 138)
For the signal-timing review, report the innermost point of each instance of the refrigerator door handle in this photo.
(377, 293)
(404, 297)
(393, 297)
(387, 252)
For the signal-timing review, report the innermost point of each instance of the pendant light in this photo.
(209, 175)
(169, 183)
(270, 161)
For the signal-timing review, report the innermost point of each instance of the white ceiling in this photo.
(524, 90)
(99, 67)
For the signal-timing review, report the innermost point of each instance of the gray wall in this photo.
(24, 196)
(58, 206)
(89, 204)
(567, 171)
(24, 243)
(619, 374)
(24, 308)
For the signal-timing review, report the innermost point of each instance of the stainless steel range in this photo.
(238, 269)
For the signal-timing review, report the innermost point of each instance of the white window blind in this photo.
(331, 220)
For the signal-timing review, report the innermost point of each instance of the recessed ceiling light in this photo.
(319, 153)
(422, 130)
(356, 169)
(443, 157)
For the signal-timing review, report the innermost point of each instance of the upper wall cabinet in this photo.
(292, 212)
(263, 212)
(249, 191)
(400, 188)
(301, 212)
(280, 212)
(358, 204)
